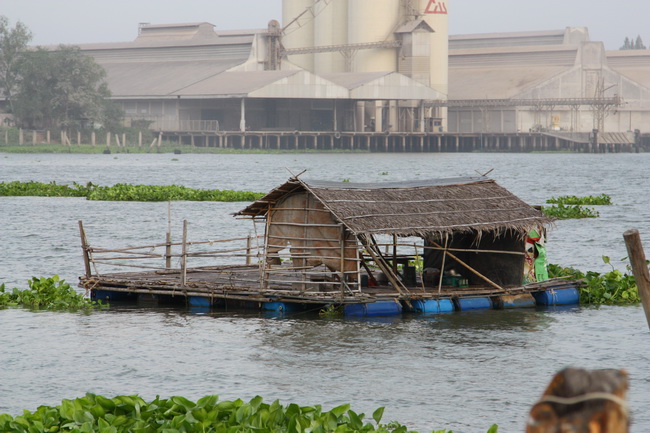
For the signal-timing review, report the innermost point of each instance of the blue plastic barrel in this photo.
(198, 301)
(464, 304)
(431, 306)
(111, 296)
(523, 300)
(281, 307)
(569, 296)
(380, 308)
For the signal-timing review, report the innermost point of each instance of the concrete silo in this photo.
(373, 21)
(300, 33)
(435, 13)
(330, 28)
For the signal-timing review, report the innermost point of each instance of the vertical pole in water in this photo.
(84, 247)
(168, 247)
(248, 249)
(639, 268)
(184, 255)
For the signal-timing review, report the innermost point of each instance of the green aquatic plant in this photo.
(608, 288)
(38, 189)
(124, 192)
(569, 212)
(122, 414)
(127, 192)
(602, 199)
(49, 293)
(331, 311)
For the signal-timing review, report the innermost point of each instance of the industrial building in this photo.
(353, 67)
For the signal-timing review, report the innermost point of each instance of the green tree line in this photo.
(52, 87)
(633, 44)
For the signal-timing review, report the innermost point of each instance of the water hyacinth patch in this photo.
(38, 189)
(571, 206)
(122, 414)
(602, 199)
(609, 288)
(50, 293)
(569, 212)
(124, 192)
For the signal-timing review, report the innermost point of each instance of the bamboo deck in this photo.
(242, 283)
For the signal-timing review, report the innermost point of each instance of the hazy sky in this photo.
(85, 21)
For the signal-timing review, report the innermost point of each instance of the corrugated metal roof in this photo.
(383, 85)
(156, 79)
(351, 80)
(496, 83)
(412, 25)
(264, 84)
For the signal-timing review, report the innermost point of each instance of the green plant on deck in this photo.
(602, 199)
(609, 288)
(122, 414)
(50, 293)
(561, 211)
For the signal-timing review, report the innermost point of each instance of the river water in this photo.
(462, 371)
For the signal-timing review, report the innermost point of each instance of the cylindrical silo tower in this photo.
(330, 28)
(300, 34)
(373, 21)
(435, 13)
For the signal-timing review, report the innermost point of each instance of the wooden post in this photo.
(249, 242)
(21, 137)
(124, 140)
(93, 138)
(139, 138)
(578, 400)
(34, 138)
(168, 247)
(84, 248)
(184, 255)
(78, 138)
(49, 137)
(108, 139)
(639, 268)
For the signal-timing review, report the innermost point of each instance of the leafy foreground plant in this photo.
(602, 199)
(47, 294)
(123, 192)
(610, 288)
(95, 413)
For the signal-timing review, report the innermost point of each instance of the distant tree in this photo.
(628, 44)
(638, 44)
(63, 88)
(13, 44)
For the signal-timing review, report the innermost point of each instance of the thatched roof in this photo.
(415, 208)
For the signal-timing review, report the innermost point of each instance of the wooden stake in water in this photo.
(184, 256)
(639, 268)
(168, 247)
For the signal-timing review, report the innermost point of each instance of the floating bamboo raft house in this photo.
(373, 248)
